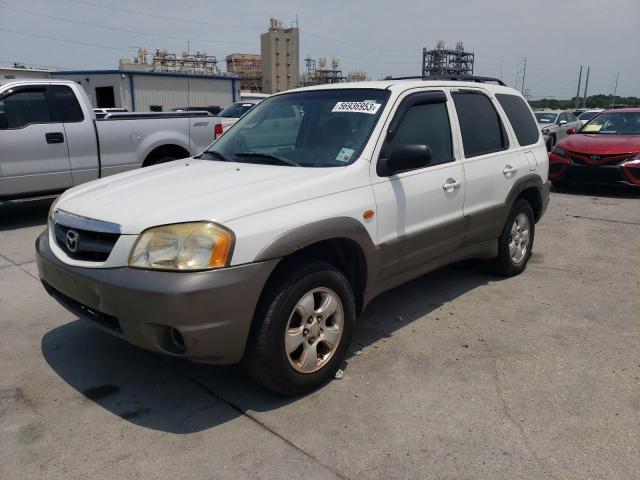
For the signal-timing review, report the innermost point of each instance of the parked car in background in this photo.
(587, 115)
(233, 112)
(50, 138)
(606, 150)
(579, 111)
(212, 109)
(252, 96)
(554, 125)
(263, 249)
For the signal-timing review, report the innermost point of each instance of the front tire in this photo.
(302, 329)
(516, 241)
(551, 142)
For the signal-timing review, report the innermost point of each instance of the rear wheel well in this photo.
(165, 153)
(532, 196)
(343, 253)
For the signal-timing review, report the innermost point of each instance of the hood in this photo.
(193, 190)
(601, 144)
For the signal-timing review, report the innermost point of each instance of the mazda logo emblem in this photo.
(594, 158)
(72, 239)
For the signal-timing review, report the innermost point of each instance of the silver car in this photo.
(554, 125)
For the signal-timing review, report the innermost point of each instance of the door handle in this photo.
(451, 185)
(509, 170)
(54, 137)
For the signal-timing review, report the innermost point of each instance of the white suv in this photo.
(264, 248)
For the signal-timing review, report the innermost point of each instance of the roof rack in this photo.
(458, 78)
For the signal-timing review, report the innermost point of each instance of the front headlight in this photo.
(182, 246)
(560, 152)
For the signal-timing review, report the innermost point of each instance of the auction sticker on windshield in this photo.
(345, 155)
(357, 107)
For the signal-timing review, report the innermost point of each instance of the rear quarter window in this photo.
(520, 117)
(480, 125)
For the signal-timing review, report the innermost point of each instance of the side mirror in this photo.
(571, 131)
(562, 122)
(4, 121)
(404, 158)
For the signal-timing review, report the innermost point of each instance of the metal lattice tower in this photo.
(443, 61)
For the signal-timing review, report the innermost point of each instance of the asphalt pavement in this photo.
(459, 374)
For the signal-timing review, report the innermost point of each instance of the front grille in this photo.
(107, 321)
(590, 159)
(85, 244)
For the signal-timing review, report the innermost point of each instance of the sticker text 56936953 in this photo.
(357, 107)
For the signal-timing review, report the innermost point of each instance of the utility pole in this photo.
(586, 86)
(578, 92)
(517, 74)
(615, 91)
(524, 74)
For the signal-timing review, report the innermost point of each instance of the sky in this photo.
(381, 37)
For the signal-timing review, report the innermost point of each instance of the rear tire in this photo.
(516, 241)
(294, 347)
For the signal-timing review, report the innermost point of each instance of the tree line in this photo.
(593, 101)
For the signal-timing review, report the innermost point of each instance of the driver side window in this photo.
(426, 124)
(24, 108)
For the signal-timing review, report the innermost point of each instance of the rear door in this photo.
(491, 167)
(33, 149)
(420, 216)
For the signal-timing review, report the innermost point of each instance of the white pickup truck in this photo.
(50, 139)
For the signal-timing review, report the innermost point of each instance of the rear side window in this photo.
(427, 124)
(520, 117)
(482, 130)
(24, 108)
(64, 105)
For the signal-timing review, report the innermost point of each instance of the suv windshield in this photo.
(621, 123)
(314, 128)
(236, 110)
(542, 117)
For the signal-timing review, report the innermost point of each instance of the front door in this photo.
(420, 219)
(33, 150)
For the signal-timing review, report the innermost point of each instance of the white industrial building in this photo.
(8, 74)
(144, 91)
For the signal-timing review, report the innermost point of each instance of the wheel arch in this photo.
(530, 188)
(169, 150)
(343, 242)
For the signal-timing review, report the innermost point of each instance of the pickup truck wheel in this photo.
(302, 329)
(516, 241)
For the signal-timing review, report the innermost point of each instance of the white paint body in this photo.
(261, 202)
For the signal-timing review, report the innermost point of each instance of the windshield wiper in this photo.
(218, 155)
(269, 156)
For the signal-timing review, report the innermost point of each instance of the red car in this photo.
(605, 150)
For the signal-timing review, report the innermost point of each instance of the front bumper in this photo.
(566, 170)
(203, 316)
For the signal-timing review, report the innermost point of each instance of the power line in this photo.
(47, 37)
(116, 29)
(250, 27)
(164, 17)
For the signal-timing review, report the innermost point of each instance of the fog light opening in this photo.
(177, 340)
